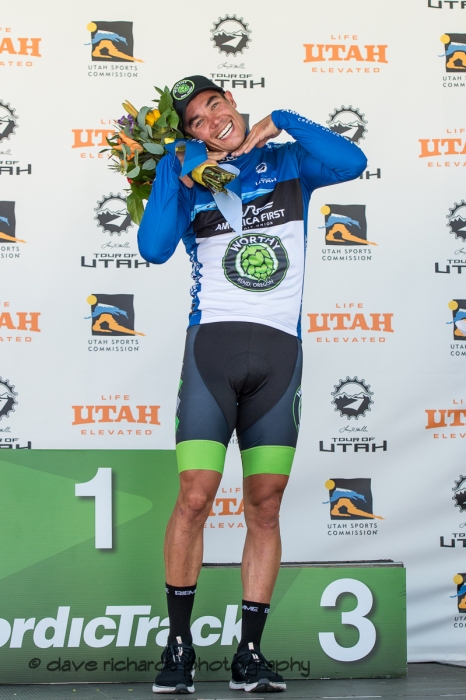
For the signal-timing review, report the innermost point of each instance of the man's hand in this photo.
(214, 156)
(260, 133)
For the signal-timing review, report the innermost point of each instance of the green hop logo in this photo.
(183, 88)
(256, 262)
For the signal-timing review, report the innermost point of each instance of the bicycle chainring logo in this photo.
(255, 263)
(457, 220)
(352, 397)
(459, 491)
(231, 35)
(348, 122)
(112, 214)
(8, 121)
(7, 398)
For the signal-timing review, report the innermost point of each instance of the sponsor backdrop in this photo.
(92, 336)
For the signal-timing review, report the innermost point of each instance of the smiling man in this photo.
(242, 363)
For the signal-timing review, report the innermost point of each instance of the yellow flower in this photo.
(151, 117)
(130, 109)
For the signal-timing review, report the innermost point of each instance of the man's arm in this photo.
(325, 158)
(167, 215)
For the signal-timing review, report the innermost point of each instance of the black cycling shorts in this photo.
(243, 376)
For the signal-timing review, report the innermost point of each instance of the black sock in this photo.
(180, 601)
(253, 619)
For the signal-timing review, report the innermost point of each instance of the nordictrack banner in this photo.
(92, 336)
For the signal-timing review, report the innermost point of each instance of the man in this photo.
(242, 363)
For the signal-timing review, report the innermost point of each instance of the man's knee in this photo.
(196, 503)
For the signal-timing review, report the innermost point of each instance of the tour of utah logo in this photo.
(350, 499)
(7, 398)
(460, 580)
(230, 35)
(8, 121)
(113, 219)
(348, 122)
(455, 52)
(456, 225)
(112, 215)
(112, 314)
(458, 538)
(352, 397)
(255, 263)
(112, 41)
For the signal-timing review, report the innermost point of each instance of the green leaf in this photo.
(162, 120)
(134, 172)
(158, 90)
(141, 191)
(149, 164)
(166, 102)
(154, 148)
(142, 116)
(135, 207)
(173, 120)
(136, 158)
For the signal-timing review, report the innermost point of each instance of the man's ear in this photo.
(229, 97)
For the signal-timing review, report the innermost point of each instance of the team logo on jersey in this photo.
(352, 397)
(230, 35)
(112, 314)
(297, 405)
(112, 41)
(350, 499)
(457, 220)
(345, 224)
(7, 398)
(458, 309)
(348, 122)
(112, 215)
(455, 52)
(460, 580)
(256, 263)
(8, 120)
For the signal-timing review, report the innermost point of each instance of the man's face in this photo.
(212, 117)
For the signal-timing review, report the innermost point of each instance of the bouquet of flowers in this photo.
(140, 142)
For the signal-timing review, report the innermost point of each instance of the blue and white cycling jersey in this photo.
(256, 276)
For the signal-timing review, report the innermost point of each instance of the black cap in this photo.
(184, 90)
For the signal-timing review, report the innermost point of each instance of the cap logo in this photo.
(182, 89)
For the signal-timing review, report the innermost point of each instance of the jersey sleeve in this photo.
(167, 215)
(325, 158)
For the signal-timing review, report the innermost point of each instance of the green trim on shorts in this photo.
(200, 454)
(268, 459)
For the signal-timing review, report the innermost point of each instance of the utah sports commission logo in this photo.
(345, 224)
(457, 220)
(460, 580)
(112, 215)
(112, 41)
(455, 52)
(256, 263)
(7, 398)
(231, 35)
(8, 223)
(8, 120)
(348, 122)
(112, 314)
(352, 397)
(350, 499)
(458, 309)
